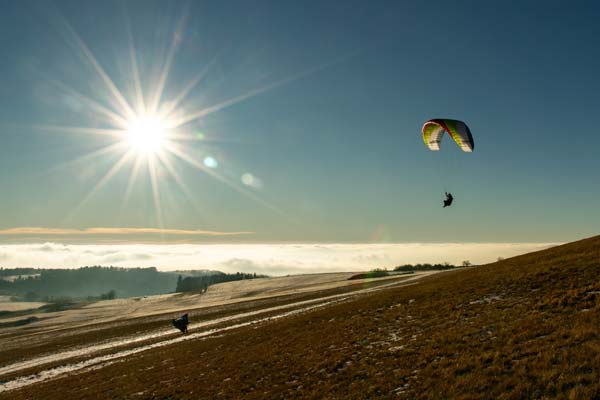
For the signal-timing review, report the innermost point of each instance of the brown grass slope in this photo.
(525, 327)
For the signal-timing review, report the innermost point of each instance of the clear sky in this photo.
(293, 121)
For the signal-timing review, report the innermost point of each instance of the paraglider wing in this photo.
(434, 129)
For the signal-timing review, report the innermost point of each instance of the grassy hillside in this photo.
(525, 327)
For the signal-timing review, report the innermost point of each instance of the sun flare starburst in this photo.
(147, 135)
(151, 134)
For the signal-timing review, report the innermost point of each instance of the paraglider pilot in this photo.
(181, 323)
(448, 200)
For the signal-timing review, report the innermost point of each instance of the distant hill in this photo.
(195, 272)
(99, 282)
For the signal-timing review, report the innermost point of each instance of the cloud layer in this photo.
(272, 259)
(113, 235)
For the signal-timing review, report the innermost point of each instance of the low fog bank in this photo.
(267, 259)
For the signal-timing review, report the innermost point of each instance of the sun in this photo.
(154, 135)
(147, 135)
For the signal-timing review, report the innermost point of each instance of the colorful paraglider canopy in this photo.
(434, 129)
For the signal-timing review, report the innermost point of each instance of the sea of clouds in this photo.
(271, 259)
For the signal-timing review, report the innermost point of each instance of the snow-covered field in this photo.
(7, 305)
(224, 293)
(264, 299)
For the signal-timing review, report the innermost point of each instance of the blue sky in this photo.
(321, 104)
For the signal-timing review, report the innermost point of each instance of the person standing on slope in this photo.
(181, 323)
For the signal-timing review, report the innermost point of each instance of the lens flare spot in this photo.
(250, 180)
(247, 179)
(210, 162)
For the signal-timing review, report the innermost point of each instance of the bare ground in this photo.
(69, 343)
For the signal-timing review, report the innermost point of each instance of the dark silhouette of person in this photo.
(448, 200)
(181, 323)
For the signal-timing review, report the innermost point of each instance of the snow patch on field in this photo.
(19, 305)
